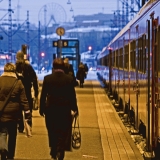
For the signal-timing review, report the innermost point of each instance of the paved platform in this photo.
(104, 137)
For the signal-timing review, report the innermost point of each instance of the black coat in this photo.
(80, 75)
(29, 78)
(17, 101)
(68, 69)
(57, 99)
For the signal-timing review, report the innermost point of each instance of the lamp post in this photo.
(90, 48)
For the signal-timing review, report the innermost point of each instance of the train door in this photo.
(154, 90)
(124, 72)
(158, 96)
(153, 36)
(155, 79)
(148, 92)
(137, 76)
(110, 71)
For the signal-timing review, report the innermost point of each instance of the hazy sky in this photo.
(80, 7)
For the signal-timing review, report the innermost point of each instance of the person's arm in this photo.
(73, 99)
(71, 70)
(34, 81)
(23, 101)
(43, 98)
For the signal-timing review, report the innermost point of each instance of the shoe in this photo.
(20, 131)
(10, 158)
(3, 155)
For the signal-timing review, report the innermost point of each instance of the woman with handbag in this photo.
(12, 98)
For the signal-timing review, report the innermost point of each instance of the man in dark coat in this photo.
(12, 110)
(57, 102)
(26, 73)
(80, 75)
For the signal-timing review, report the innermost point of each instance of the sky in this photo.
(35, 8)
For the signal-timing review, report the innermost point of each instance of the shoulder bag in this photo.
(7, 98)
(76, 134)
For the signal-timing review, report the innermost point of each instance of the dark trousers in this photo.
(57, 138)
(9, 129)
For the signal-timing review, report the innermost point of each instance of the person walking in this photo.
(68, 69)
(57, 102)
(86, 69)
(11, 112)
(80, 75)
(27, 75)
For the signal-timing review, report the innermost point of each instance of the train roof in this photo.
(142, 11)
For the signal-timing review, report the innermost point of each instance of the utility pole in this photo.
(10, 28)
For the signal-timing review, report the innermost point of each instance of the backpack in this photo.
(20, 76)
(20, 73)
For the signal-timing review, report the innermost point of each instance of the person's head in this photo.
(66, 61)
(81, 63)
(20, 56)
(9, 67)
(58, 63)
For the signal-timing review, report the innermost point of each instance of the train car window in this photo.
(140, 54)
(117, 58)
(124, 53)
(144, 53)
(121, 58)
(133, 54)
(126, 58)
(113, 59)
(155, 51)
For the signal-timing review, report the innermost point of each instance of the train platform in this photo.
(104, 136)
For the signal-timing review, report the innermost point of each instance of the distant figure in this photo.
(57, 102)
(86, 69)
(80, 75)
(27, 75)
(68, 69)
(12, 111)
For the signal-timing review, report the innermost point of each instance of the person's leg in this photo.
(3, 154)
(61, 155)
(12, 135)
(51, 136)
(30, 101)
(3, 141)
(80, 84)
(61, 143)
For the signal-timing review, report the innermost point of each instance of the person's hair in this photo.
(66, 60)
(9, 67)
(20, 56)
(58, 63)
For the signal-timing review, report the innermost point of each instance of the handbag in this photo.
(28, 128)
(76, 134)
(7, 98)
